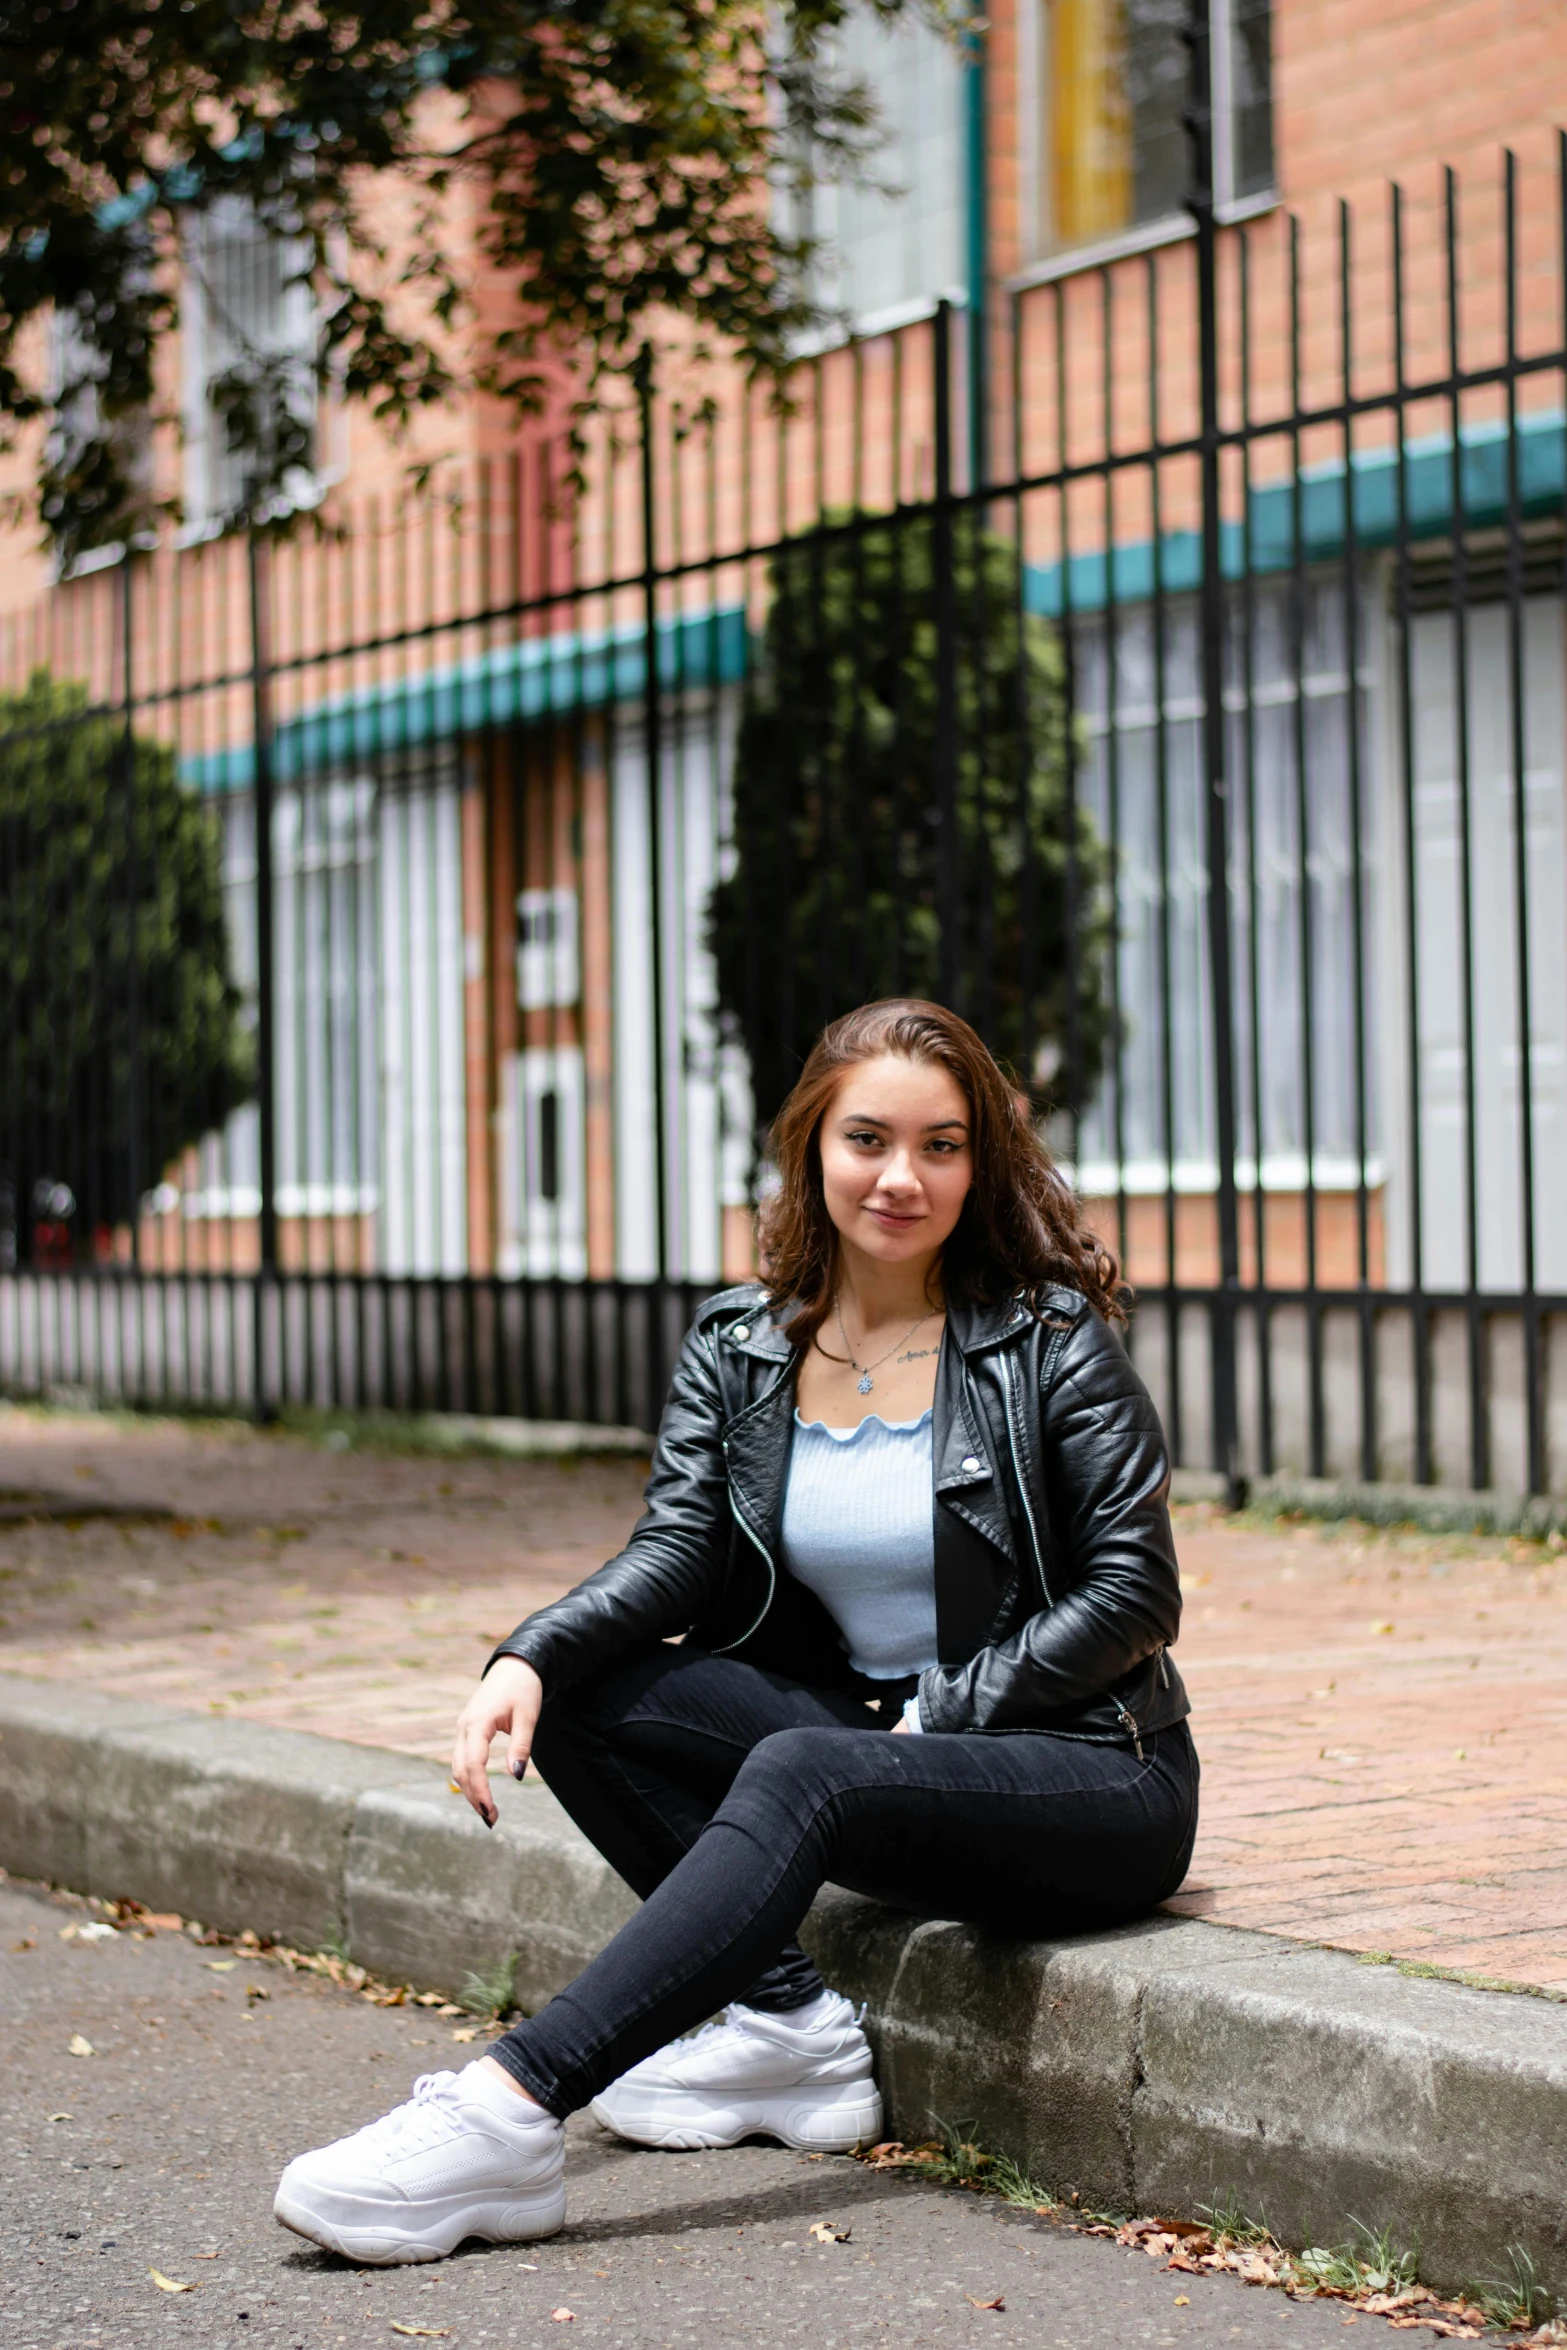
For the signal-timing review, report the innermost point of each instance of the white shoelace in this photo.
(428, 2116)
(732, 2020)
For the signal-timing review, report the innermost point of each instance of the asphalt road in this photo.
(160, 2150)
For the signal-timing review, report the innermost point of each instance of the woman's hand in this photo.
(506, 1704)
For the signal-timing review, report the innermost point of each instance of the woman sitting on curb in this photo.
(907, 1530)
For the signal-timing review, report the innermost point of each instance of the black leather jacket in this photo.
(1057, 1593)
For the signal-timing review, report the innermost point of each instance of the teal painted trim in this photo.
(1365, 500)
(515, 685)
(549, 677)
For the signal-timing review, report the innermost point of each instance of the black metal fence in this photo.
(407, 928)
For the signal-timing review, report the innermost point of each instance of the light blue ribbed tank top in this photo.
(858, 1531)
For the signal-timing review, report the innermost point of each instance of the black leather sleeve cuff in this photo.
(530, 1654)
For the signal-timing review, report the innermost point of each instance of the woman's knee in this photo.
(801, 1768)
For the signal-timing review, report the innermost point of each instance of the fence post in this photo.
(1199, 123)
(652, 744)
(260, 578)
(948, 891)
(133, 1102)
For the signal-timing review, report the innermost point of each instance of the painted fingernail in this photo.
(517, 1769)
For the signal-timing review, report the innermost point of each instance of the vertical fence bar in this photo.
(948, 884)
(652, 746)
(1069, 663)
(1226, 1423)
(1161, 708)
(1366, 1319)
(1420, 1319)
(1112, 723)
(1479, 1410)
(1306, 960)
(1262, 1319)
(1533, 1394)
(133, 1057)
(260, 581)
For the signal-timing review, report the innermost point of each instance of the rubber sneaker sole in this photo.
(824, 2118)
(374, 2237)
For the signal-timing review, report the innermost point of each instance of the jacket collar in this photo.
(758, 1333)
(758, 1438)
(976, 1326)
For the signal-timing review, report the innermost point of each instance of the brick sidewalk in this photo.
(1382, 1718)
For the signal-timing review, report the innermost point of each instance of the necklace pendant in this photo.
(866, 1383)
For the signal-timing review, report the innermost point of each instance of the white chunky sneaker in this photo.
(803, 2077)
(466, 2156)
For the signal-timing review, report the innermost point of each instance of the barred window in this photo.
(1111, 148)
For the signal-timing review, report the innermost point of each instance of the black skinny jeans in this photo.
(726, 1797)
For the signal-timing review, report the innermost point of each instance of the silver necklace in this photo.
(865, 1369)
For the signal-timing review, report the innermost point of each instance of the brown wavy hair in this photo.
(1022, 1229)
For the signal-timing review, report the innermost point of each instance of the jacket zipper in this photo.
(1022, 1483)
(767, 1559)
(1127, 1720)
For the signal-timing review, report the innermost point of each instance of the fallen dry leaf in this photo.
(827, 2231)
(221, 1966)
(81, 2047)
(892, 2154)
(566, 2317)
(431, 2333)
(472, 2033)
(28, 1942)
(60, 2117)
(1183, 2300)
(995, 2301)
(168, 2284)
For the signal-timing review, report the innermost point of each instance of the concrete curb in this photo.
(1156, 2068)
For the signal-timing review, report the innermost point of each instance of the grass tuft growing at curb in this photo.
(493, 1994)
(1425, 1970)
(1369, 2270)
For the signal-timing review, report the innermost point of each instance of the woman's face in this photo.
(897, 1158)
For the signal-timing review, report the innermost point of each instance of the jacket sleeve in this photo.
(1100, 1463)
(675, 1558)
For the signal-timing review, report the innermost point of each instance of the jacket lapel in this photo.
(976, 1554)
(970, 1477)
(975, 1545)
(758, 1438)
